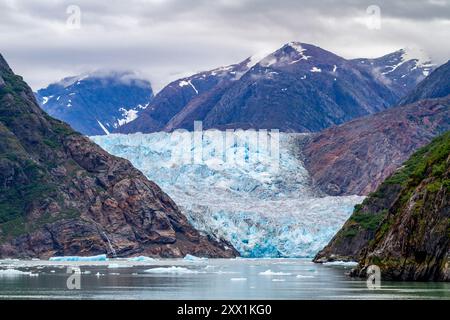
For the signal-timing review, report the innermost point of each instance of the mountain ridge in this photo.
(96, 103)
(309, 89)
(355, 157)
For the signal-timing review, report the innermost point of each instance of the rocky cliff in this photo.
(403, 227)
(356, 157)
(61, 194)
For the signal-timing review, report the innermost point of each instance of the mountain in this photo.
(404, 226)
(97, 103)
(401, 70)
(437, 85)
(180, 95)
(61, 194)
(356, 157)
(300, 88)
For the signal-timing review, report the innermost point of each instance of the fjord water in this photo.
(264, 206)
(201, 279)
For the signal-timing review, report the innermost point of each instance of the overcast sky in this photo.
(166, 39)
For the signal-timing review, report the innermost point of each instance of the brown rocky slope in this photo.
(355, 158)
(61, 194)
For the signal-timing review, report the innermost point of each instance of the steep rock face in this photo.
(404, 227)
(61, 194)
(437, 85)
(356, 157)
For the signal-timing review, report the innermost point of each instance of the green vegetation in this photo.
(430, 162)
(13, 83)
(368, 221)
(434, 156)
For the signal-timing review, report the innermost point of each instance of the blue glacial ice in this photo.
(192, 258)
(101, 257)
(261, 209)
(141, 259)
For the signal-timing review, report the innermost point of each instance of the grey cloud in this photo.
(166, 39)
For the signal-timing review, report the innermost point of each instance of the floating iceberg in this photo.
(300, 276)
(15, 273)
(192, 258)
(341, 263)
(238, 279)
(117, 266)
(101, 257)
(175, 270)
(141, 259)
(262, 209)
(272, 273)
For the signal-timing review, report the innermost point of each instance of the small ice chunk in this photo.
(300, 276)
(117, 266)
(341, 263)
(15, 273)
(175, 270)
(101, 257)
(190, 257)
(272, 273)
(278, 280)
(141, 259)
(238, 279)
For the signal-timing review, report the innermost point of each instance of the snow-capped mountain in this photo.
(180, 94)
(402, 70)
(300, 88)
(97, 103)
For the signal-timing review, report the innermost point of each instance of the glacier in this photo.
(263, 210)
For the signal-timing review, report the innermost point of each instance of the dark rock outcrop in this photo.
(61, 194)
(404, 227)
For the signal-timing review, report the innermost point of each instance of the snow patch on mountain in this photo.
(103, 127)
(184, 83)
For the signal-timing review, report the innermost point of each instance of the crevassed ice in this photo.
(262, 210)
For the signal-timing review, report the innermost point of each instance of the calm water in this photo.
(208, 279)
